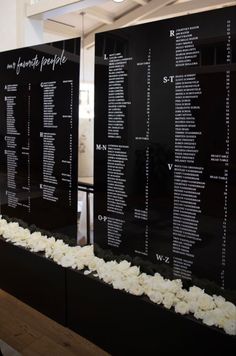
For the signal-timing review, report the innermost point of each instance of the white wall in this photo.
(7, 24)
(88, 65)
(86, 114)
(52, 37)
(8, 27)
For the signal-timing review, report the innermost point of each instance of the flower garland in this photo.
(212, 310)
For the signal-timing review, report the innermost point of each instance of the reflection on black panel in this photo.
(208, 56)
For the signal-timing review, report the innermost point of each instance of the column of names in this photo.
(188, 176)
(17, 154)
(117, 154)
(50, 182)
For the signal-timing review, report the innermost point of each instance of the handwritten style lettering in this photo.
(36, 62)
(56, 60)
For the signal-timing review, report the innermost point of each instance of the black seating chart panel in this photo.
(165, 146)
(39, 99)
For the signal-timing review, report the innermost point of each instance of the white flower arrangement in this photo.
(212, 310)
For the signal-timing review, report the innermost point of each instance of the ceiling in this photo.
(86, 17)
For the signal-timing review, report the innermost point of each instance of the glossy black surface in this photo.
(39, 98)
(124, 324)
(165, 146)
(34, 279)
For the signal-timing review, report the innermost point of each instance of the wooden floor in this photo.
(31, 333)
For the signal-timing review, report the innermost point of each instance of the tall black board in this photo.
(165, 146)
(39, 98)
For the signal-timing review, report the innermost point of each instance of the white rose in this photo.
(172, 286)
(144, 278)
(229, 309)
(195, 292)
(135, 289)
(230, 326)
(147, 283)
(132, 271)
(94, 263)
(132, 286)
(106, 276)
(199, 314)
(193, 306)
(219, 300)
(168, 300)
(3, 225)
(155, 297)
(79, 265)
(39, 246)
(57, 256)
(67, 261)
(182, 308)
(86, 251)
(219, 317)
(26, 234)
(118, 284)
(36, 235)
(181, 294)
(205, 302)
(157, 277)
(214, 317)
(123, 266)
(157, 284)
(209, 318)
(13, 225)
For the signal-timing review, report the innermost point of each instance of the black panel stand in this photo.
(124, 324)
(34, 280)
(118, 322)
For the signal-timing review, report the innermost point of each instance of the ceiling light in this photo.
(118, 0)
